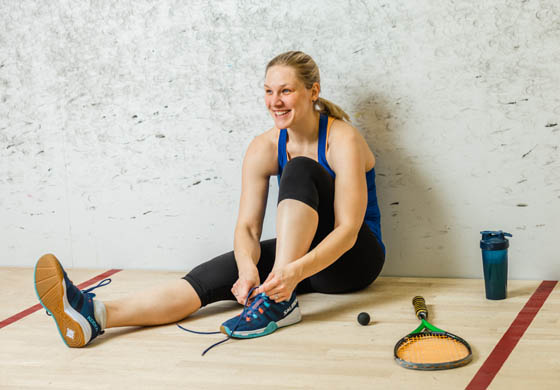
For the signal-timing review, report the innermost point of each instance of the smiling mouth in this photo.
(280, 114)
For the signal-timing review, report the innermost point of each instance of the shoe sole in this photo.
(50, 288)
(293, 318)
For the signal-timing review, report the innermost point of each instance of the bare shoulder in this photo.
(264, 143)
(341, 130)
(262, 152)
(343, 137)
(268, 137)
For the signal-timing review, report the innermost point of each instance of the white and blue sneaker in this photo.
(262, 317)
(72, 309)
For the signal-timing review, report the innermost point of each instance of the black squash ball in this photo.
(363, 318)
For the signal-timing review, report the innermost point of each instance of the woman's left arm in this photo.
(346, 158)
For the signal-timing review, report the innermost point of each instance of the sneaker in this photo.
(262, 317)
(71, 308)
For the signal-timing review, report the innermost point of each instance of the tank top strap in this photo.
(325, 123)
(282, 155)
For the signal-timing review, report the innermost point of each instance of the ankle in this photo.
(100, 313)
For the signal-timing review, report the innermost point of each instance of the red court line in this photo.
(509, 340)
(33, 309)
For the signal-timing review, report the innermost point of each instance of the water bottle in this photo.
(494, 245)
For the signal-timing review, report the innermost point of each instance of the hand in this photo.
(280, 283)
(246, 281)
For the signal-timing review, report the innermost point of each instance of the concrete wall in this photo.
(123, 125)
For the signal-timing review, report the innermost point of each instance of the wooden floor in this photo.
(327, 350)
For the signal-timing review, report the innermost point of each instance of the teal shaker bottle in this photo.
(494, 245)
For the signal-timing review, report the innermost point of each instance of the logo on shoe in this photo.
(292, 306)
(93, 323)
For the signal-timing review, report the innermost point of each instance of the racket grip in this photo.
(420, 307)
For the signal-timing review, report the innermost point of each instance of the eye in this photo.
(268, 91)
(286, 91)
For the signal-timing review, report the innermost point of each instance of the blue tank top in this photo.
(373, 216)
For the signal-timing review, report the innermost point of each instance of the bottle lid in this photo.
(494, 240)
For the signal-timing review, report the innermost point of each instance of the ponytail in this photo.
(327, 107)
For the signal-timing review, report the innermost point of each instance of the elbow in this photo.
(353, 237)
(350, 236)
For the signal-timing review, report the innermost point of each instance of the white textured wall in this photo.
(123, 125)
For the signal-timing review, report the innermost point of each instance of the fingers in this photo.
(279, 296)
(238, 297)
(241, 298)
(270, 287)
(262, 288)
(255, 293)
(240, 291)
(276, 291)
(274, 288)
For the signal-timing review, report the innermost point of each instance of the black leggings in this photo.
(305, 180)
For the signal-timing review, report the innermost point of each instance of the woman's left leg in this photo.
(303, 184)
(305, 209)
(306, 216)
(296, 224)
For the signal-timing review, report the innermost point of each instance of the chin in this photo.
(282, 124)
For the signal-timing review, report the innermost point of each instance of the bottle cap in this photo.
(494, 240)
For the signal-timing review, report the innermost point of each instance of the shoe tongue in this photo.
(253, 306)
(258, 300)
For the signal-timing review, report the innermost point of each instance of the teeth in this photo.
(279, 113)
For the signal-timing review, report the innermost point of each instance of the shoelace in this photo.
(247, 311)
(103, 283)
(256, 306)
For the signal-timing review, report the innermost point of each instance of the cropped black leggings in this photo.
(305, 180)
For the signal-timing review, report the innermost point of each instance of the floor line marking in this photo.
(33, 309)
(509, 340)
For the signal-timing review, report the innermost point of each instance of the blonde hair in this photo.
(308, 72)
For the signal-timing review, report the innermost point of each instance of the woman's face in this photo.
(286, 97)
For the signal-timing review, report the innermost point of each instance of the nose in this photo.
(276, 100)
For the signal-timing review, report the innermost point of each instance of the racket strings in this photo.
(432, 348)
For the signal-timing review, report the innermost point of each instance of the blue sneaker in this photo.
(71, 308)
(262, 317)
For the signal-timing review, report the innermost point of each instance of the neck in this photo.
(306, 130)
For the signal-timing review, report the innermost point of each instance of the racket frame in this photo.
(432, 330)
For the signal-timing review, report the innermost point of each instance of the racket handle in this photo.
(420, 307)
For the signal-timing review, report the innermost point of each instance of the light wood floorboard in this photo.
(327, 350)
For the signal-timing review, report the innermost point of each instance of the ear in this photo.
(315, 89)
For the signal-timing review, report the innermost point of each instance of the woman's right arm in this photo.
(259, 164)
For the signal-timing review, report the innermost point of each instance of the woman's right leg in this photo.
(80, 319)
(207, 283)
(160, 305)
